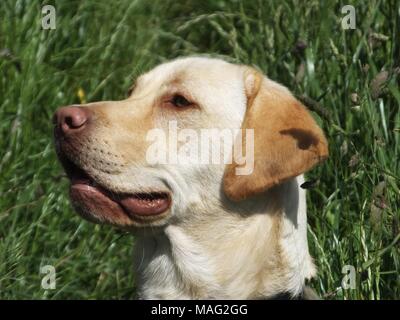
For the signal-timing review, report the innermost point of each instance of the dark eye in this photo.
(180, 101)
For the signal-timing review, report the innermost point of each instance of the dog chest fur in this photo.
(260, 256)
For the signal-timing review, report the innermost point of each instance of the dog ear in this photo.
(287, 140)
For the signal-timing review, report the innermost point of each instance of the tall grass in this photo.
(96, 51)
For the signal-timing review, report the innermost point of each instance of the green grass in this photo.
(100, 48)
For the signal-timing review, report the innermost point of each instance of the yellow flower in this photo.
(81, 95)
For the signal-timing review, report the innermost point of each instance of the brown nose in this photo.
(71, 119)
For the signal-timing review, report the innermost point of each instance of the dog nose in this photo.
(71, 119)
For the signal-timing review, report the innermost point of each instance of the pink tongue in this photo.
(145, 206)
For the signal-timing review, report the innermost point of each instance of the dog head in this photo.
(171, 146)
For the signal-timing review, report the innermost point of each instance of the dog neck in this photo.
(257, 251)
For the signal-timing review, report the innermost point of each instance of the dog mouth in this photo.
(98, 204)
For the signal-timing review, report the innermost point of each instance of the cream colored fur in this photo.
(207, 246)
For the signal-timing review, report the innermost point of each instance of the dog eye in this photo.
(180, 101)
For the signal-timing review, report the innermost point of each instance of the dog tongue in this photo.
(144, 205)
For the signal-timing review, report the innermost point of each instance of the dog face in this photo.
(104, 146)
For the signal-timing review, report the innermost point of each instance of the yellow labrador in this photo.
(203, 229)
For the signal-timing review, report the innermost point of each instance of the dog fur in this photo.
(225, 236)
